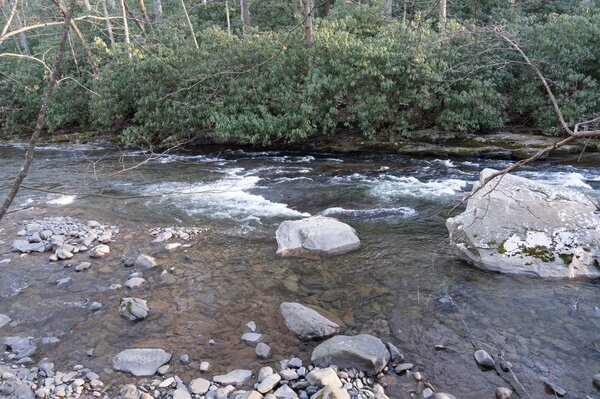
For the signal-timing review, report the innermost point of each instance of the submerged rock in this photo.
(141, 362)
(4, 320)
(518, 226)
(315, 236)
(306, 322)
(144, 262)
(363, 352)
(133, 309)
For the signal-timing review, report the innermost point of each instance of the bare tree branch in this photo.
(41, 120)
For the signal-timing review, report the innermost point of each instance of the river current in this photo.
(403, 285)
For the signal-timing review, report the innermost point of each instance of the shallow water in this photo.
(402, 285)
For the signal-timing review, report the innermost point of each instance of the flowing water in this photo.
(403, 285)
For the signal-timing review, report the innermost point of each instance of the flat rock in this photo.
(251, 338)
(363, 352)
(315, 236)
(235, 377)
(306, 322)
(25, 246)
(533, 229)
(141, 362)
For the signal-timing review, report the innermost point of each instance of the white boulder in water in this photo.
(315, 236)
(518, 226)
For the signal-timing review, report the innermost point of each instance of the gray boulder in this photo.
(306, 322)
(315, 236)
(141, 362)
(518, 226)
(363, 352)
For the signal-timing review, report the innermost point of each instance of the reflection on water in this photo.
(402, 285)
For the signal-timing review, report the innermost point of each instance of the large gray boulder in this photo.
(363, 352)
(315, 236)
(518, 226)
(141, 362)
(306, 322)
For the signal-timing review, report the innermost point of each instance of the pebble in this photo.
(264, 372)
(181, 393)
(484, 360)
(95, 306)
(394, 352)
(427, 393)
(289, 374)
(135, 282)
(199, 386)
(144, 262)
(555, 389)
(172, 246)
(162, 370)
(402, 367)
(443, 395)
(63, 282)
(596, 380)
(251, 338)
(100, 251)
(503, 393)
(82, 266)
(184, 359)
(263, 350)
(268, 383)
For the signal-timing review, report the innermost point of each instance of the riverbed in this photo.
(404, 285)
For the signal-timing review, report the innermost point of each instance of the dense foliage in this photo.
(378, 75)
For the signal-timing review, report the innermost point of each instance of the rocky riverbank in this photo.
(341, 367)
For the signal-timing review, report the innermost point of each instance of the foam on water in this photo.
(563, 179)
(374, 213)
(407, 186)
(224, 199)
(62, 200)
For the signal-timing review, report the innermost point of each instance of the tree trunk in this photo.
(157, 10)
(41, 119)
(187, 17)
(86, 48)
(442, 19)
(137, 22)
(126, 28)
(327, 6)
(108, 24)
(227, 15)
(144, 12)
(307, 9)
(245, 16)
(388, 8)
(23, 42)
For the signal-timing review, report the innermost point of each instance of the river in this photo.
(403, 285)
